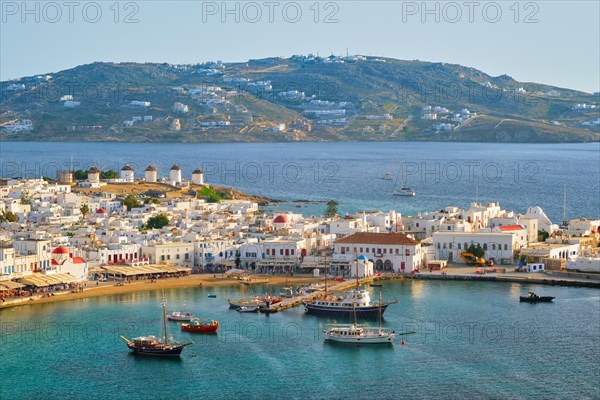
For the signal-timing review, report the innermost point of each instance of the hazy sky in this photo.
(553, 42)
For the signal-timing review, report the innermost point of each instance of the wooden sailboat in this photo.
(253, 302)
(153, 346)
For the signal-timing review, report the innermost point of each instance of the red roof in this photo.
(78, 260)
(280, 219)
(101, 211)
(378, 238)
(60, 250)
(511, 228)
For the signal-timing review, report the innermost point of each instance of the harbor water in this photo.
(471, 340)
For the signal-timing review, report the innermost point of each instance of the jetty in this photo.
(297, 300)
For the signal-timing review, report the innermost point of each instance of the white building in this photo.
(198, 177)
(127, 174)
(151, 174)
(175, 174)
(387, 251)
(169, 253)
(449, 245)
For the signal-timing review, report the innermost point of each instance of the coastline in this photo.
(190, 281)
(576, 280)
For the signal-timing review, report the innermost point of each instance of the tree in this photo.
(110, 174)
(85, 209)
(151, 200)
(10, 217)
(157, 222)
(131, 202)
(80, 175)
(331, 210)
(477, 251)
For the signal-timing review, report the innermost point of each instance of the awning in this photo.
(43, 280)
(10, 285)
(145, 270)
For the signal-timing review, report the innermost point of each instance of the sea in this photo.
(304, 176)
(471, 340)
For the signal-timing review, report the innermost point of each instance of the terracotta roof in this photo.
(378, 238)
(511, 228)
(60, 250)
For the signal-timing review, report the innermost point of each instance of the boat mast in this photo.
(357, 282)
(164, 306)
(564, 222)
(379, 311)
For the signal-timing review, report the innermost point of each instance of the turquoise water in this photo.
(517, 175)
(473, 340)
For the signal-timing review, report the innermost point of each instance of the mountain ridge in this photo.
(301, 98)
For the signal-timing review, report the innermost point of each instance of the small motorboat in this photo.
(405, 192)
(268, 310)
(201, 326)
(212, 295)
(180, 316)
(247, 309)
(534, 298)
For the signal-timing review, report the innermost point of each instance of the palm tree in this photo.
(84, 210)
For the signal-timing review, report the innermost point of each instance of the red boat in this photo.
(198, 326)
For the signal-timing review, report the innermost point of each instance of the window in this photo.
(384, 251)
(459, 246)
(361, 249)
(493, 246)
(417, 224)
(397, 251)
(177, 256)
(292, 251)
(438, 245)
(466, 246)
(268, 252)
(505, 246)
(407, 252)
(485, 246)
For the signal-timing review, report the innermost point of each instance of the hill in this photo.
(302, 98)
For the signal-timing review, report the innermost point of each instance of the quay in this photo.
(296, 301)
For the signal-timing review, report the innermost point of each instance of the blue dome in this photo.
(362, 257)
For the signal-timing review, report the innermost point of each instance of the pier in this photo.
(336, 287)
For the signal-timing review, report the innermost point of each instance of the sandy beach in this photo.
(205, 280)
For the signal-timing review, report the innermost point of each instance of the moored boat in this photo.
(200, 326)
(180, 315)
(360, 334)
(355, 300)
(153, 346)
(247, 309)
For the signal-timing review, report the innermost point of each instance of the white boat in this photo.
(247, 309)
(388, 176)
(404, 192)
(361, 334)
(180, 315)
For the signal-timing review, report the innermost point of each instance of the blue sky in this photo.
(552, 42)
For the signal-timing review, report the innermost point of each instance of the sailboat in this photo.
(153, 346)
(354, 333)
(252, 302)
(404, 190)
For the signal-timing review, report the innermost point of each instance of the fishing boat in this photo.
(354, 301)
(254, 281)
(361, 334)
(153, 346)
(534, 298)
(255, 301)
(247, 309)
(200, 326)
(180, 315)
